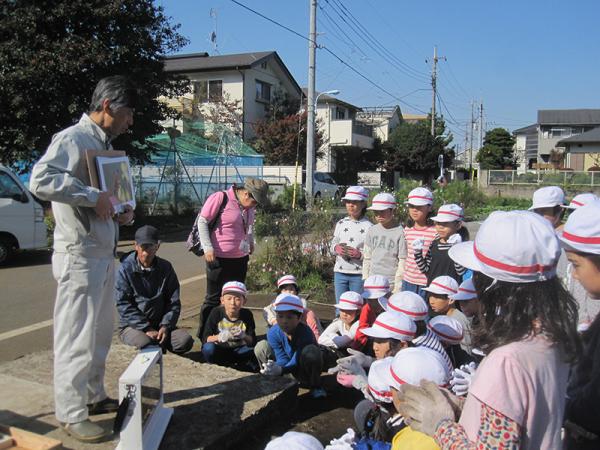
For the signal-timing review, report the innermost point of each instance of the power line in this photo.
(330, 19)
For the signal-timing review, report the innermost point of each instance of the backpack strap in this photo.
(213, 223)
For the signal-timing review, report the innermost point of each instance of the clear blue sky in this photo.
(516, 56)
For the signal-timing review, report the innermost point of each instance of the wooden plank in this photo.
(30, 441)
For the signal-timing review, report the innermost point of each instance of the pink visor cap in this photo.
(356, 193)
(449, 213)
(350, 300)
(512, 246)
(234, 287)
(419, 197)
(383, 201)
(390, 325)
(408, 303)
(581, 233)
(448, 330)
(380, 379)
(582, 199)
(443, 285)
(548, 197)
(288, 302)
(413, 364)
(287, 279)
(376, 286)
(466, 291)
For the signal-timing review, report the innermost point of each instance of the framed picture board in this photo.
(110, 171)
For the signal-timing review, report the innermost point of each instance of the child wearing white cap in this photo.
(527, 331)
(287, 284)
(228, 335)
(419, 226)
(291, 347)
(467, 299)
(385, 246)
(549, 202)
(450, 332)
(440, 294)
(348, 242)
(340, 333)
(450, 231)
(375, 287)
(581, 240)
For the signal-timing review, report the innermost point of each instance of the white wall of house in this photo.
(519, 150)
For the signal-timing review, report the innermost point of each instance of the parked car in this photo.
(22, 224)
(324, 186)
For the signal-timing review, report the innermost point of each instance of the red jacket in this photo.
(366, 319)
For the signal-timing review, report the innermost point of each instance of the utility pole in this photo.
(310, 104)
(481, 124)
(472, 139)
(434, 87)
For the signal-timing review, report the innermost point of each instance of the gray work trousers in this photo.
(179, 341)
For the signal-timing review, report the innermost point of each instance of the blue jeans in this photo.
(347, 282)
(226, 356)
(406, 286)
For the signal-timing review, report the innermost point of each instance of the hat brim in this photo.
(460, 296)
(436, 291)
(353, 198)
(232, 291)
(383, 301)
(447, 219)
(463, 253)
(381, 208)
(380, 333)
(282, 308)
(373, 294)
(546, 205)
(418, 202)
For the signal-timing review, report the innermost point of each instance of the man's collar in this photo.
(96, 129)
(140, 268)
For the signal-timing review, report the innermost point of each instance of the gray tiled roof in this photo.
(527, 129)
(589, 136)
(569, 117)
(197, 62)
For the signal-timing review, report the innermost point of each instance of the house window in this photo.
(263, 91)
(208, 91)
(559, 132)
(340, 113)
(263, 65)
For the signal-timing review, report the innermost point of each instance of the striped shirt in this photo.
(430, 341)
(412, 274)
(440, 265)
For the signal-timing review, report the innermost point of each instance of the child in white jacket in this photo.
(340, 333)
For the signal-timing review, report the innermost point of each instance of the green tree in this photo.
(411, 148)
(52, 54)
(497, 151)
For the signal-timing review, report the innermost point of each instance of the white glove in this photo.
(362, 359)
(360, 382)
(461, 378)
(225, 335)
(455, 239)
(418, 244)
(237, 332)
(271, 369)
(341, 341)
(344, 442)
(349, 367)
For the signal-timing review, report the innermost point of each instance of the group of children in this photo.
(453, 343)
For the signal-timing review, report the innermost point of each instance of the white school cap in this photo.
(350, 300)
(234, 287)
(443, 285)
(382, 201)
(293, 440)
(449, 213)
(513, 246)
(548, 197)
(419, 196)
(356, 193)
(287, 279)
(413, 364)
(581, 233)
(379, 380)
(376, 286)
(448, 330)
(390, 325)
(288, 302)
(408, 303)
(466, 291)
(582, 200)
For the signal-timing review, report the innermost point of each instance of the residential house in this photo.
(582, 151)
(341, 131)
(383, 119)
(526, 145)
(414, 118)
(248, 79)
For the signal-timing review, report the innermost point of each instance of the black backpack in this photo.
(193, 243)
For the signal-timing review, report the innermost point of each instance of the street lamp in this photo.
(310, 145)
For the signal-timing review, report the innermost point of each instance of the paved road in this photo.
(27, 292)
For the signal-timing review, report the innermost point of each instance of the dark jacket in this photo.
(147, 298)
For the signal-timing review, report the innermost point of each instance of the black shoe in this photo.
(108, 405)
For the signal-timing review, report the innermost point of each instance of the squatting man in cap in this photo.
(83, 263)
(147, 297)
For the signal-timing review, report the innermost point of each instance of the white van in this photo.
(324, 186)
(22, 224)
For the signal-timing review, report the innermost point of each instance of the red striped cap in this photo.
(582, 230)
(382, 201)
(356, 193)
(287, 279)
(288, 302)
(350, 300)
(512, 246)
(414, 364)
(420, 196)
(379, 380)
(376, 286)
(466, 291)
(234, 287)
(409, 303)
(448, 330)
(443, 285)
(449, 213)
(582, 200)
(389, 325)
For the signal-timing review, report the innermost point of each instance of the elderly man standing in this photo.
(83, 262)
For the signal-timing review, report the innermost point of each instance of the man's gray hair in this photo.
(118, 89)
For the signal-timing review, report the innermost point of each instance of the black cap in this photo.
(146, 235)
